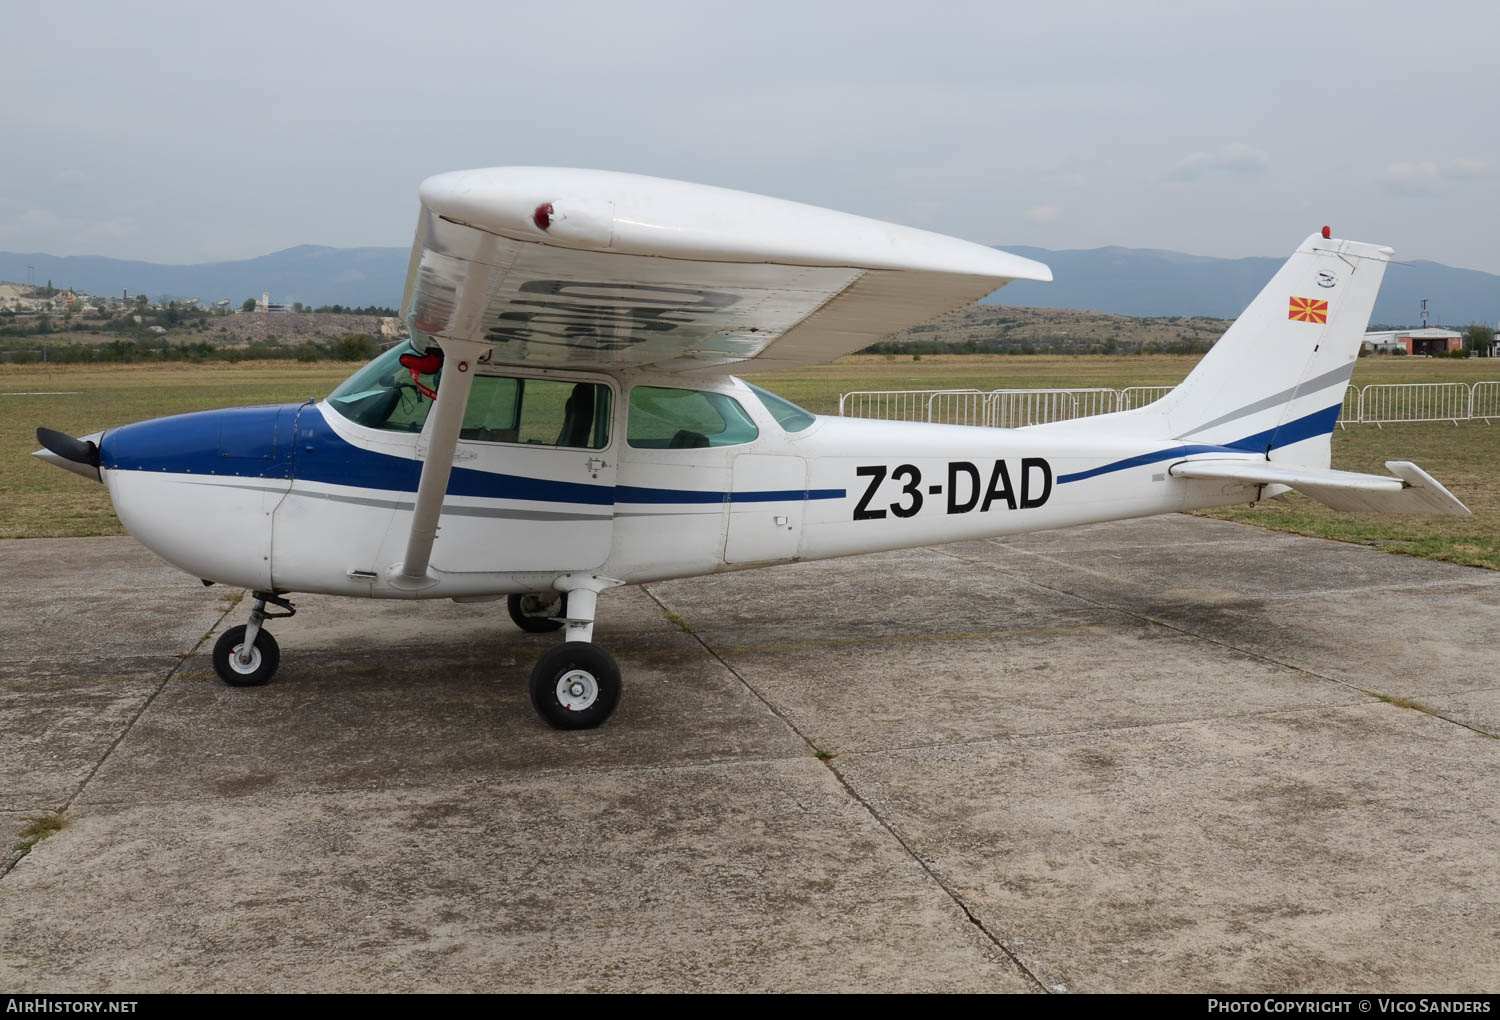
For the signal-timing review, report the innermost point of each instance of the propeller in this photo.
(81, 456)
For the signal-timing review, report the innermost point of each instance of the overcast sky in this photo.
(196, 132)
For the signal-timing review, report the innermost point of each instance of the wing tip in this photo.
(1018, 267)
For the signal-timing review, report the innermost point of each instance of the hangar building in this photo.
(1426, 341)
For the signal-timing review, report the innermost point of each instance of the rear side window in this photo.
(672, 419)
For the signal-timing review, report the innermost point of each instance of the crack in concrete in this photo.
(1042, 735)
(1395, 586)
(1417, 706)
(826, 760)
(182, 657)
(489, 782)
(1260, 656)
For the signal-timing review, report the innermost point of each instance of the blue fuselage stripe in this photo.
(259, 442)
(639, 494)
(1145, 458)
(1316, 424)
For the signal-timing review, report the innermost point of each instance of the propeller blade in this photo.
(81, 456)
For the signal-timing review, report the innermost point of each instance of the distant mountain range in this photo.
(309, 273)
(1150, 282)
(1122, 281)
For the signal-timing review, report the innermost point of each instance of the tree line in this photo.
(349, 347)
(250, 304)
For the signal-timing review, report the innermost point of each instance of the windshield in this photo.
(382, 395)
(787, 414)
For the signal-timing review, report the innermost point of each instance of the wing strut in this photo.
(447, 419)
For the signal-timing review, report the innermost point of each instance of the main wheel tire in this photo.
(264, 658)
(575, 686)
(533, 615)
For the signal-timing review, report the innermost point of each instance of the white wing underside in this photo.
(1412, 491)
(573, 268)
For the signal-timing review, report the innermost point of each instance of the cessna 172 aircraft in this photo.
(563, 419)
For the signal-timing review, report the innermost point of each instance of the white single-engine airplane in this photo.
(563, 420)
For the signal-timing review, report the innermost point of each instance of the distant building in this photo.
(1424, 342)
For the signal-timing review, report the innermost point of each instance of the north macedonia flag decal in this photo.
(1306, 309)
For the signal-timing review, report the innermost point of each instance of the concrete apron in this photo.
(1139, 756)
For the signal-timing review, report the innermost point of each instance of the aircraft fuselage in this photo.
(299, 498)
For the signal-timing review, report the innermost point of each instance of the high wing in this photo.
(588, 268)
(1412, 491)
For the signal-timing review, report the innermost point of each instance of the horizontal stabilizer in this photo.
(1412, 491)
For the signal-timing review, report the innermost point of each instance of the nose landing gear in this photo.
(247, 655)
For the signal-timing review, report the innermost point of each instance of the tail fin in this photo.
(1274, 383)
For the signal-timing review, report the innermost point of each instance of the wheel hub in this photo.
(577, 690)
(240, 666)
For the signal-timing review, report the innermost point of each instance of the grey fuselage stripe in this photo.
(473, 511)
(1338, 375)
(718, 509)
(457, 511)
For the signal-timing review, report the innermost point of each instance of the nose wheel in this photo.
(245, 665)
(247, 655)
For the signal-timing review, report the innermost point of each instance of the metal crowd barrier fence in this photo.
(902, 405)
(1484, 401)
(1010, 409)
(1349, 413)
(1375, 404)
(959, 407)
(1384, 403)
(1140, 396)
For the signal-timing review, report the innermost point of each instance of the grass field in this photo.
(38, 500)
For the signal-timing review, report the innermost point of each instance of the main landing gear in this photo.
(576, 685)
(247, 655)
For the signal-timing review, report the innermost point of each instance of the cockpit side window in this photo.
(673, 419)
(501, 409)
(539, 412)
(494, 411)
